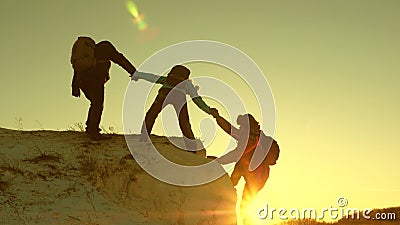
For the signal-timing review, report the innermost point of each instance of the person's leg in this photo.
(95, 94)
(88, 94)
(151, 116)
(97, 106)
(235, 177)
(186, 128)
(254, 183)
(248, 197)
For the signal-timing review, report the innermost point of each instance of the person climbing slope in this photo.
(175, 86)
(254, 153)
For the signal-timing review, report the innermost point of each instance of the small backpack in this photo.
(82, 57)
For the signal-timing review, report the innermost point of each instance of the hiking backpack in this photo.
(82, 57)
(259, 157)
(273, 153)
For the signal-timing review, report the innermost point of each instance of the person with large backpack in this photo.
(91, 63)
(254, 153)
(175, 86)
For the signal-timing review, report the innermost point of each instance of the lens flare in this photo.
(132, 8)
(137, 18)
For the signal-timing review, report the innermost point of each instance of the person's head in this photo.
(178, 74)
(88, 40)
(249, 123)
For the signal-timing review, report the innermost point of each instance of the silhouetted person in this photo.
(174, 89)
(254, 153)
(91, 63)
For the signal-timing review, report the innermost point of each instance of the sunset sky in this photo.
(333, 68)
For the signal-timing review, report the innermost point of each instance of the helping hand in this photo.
(135, 78)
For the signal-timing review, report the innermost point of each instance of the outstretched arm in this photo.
(201, 104)
(149, 77)
(109, 52)
(234, 155)
(225, 125)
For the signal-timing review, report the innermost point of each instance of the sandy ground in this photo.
(52, 177)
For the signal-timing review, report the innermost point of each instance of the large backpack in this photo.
(82, 56)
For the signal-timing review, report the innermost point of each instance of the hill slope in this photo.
(49, 177)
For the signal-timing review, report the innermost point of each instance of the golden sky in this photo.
(332, 67)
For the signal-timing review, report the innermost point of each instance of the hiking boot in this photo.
(98, 137)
